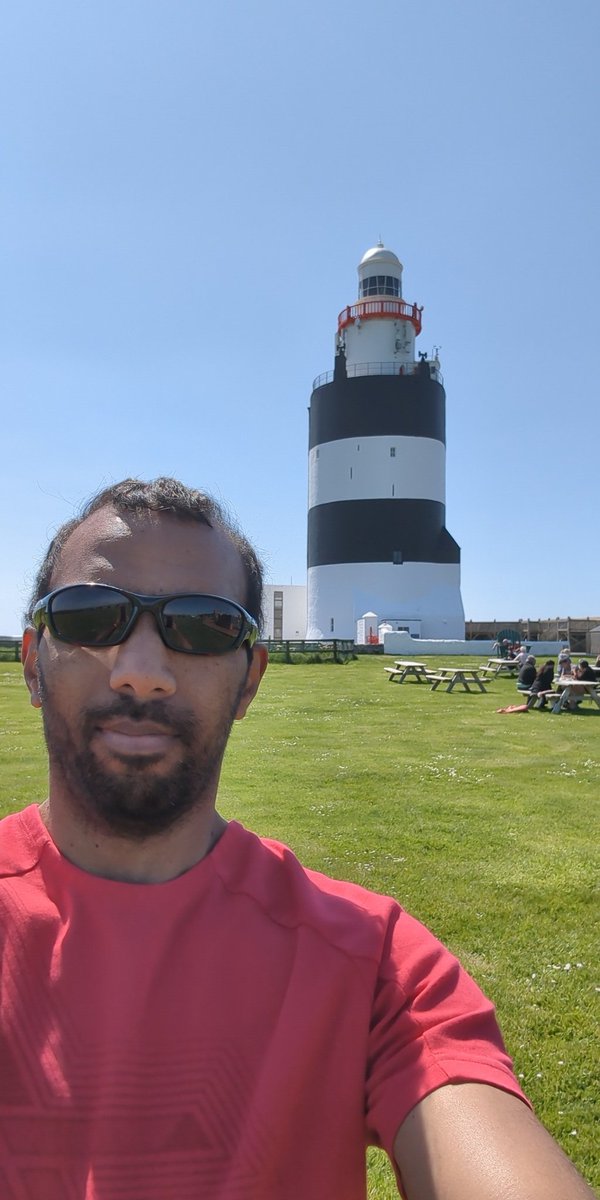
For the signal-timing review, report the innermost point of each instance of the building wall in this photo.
(574, 631)
(412, 591)
(401, 645)
(372, 467)
(545, 636)
(284, 611)
(380, 341)
(377, 536)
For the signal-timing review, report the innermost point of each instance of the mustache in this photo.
(180, 723)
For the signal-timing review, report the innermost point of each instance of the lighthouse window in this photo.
(397, 558)
(380, 285)
(392, 451)
(331, 625)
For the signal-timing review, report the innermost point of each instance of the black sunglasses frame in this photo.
(42, 615)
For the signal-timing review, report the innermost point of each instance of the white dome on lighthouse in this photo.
(379, 254)
(379, 273)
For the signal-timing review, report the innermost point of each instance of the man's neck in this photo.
(155, 859)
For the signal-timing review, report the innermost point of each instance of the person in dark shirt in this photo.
(584, 672)
(526, 675)
(541, 684)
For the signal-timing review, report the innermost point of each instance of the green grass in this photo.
(481, 824)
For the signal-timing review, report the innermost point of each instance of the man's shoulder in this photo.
(21, 839)
(22, 836)
(294, 895)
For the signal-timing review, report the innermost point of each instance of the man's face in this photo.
(136, 733)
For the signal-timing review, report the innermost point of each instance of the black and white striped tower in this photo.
(377, 537)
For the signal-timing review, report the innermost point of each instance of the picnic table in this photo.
(402, 667)
(499, 666)
(568, 686)
(450, 676)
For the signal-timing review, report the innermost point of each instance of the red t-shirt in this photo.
(238, 1033)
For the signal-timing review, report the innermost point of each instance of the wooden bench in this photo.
(467, 677)
(549, 695)
(402, 669)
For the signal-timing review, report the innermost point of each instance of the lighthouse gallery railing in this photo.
(356, 370)
(366, 310)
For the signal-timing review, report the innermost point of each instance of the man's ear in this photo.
(29, 658)
(256, 669)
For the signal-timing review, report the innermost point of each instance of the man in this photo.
(186, 1011)
(521, 655)
(527, 673)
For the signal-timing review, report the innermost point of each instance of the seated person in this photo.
(542, 683)
(582, 671)
(565, 666)
(526, 675)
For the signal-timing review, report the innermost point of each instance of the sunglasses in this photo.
(95, 614)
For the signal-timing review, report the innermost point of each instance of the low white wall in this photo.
(402, 645)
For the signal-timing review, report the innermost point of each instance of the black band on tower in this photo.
(355, 531)
(375, 406)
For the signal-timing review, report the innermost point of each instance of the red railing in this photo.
(367, 310)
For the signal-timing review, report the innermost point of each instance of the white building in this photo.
(284, 611)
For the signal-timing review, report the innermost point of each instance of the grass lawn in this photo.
(481, 824)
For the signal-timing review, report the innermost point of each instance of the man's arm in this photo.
(470, 1141)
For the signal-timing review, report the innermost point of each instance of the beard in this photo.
(136, 802)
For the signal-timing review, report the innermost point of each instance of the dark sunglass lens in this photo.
(201, 624)
(93, 616)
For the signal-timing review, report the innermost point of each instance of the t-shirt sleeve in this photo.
(431, 1025)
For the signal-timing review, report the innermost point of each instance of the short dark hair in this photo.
(156, 495)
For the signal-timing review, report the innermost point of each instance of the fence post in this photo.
(288, 657)
(335, 653)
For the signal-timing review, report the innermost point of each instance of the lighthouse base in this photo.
(412, 594)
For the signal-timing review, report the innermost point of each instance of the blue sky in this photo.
(186, 190)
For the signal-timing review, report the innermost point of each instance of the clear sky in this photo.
(186, 191)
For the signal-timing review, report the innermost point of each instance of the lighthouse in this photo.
(377, 537)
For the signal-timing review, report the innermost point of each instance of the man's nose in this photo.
(142, 664)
